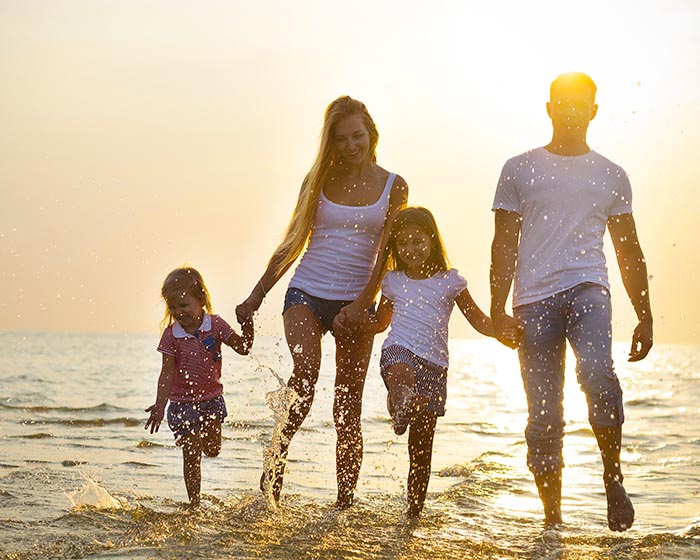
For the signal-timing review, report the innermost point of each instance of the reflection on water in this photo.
(71, 417)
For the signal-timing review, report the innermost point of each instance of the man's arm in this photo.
(633, 268)
(504, 251)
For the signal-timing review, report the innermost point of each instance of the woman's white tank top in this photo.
(342, 250)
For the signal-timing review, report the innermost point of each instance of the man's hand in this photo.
(642, 341)
(508, 330)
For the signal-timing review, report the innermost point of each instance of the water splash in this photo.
(93, 495)
(280, 402)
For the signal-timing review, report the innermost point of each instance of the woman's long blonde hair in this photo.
(299, 228)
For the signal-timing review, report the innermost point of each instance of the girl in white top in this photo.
(419, 291)
(343, 207)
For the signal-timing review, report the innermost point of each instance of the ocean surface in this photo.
(81, 478)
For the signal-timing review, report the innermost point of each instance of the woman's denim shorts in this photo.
(325, 310)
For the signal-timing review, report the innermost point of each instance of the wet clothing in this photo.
(187, 418)
(324, 310)
(343, 246)
(429, 379)
(564, 202)
(418, 335)
(197, 359)
(561, 289)
(421, 312)
(581, 315)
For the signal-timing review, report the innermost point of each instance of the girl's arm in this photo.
(382, 317)
(242, 344)
(165, 384)
(476, 317)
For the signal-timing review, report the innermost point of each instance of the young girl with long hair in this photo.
(342, 209)
(419, 291)
(190, 377)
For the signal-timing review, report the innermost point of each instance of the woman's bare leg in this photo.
(352, 359)
(303, 336)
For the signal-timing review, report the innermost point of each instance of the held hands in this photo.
(351, 319)
(508, 330)
(156, 417)
(642, 340)
(245, 311)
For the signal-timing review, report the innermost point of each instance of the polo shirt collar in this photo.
(179, 332)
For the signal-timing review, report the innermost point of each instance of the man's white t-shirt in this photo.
(564, 202)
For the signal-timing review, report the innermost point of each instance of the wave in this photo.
(96, 422)
(40, 435)
(104, 407)
(645, 402)
(145, 443)
(71, 463)
(138, 464)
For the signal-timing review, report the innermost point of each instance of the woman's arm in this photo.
(353, 316)
(165, 385)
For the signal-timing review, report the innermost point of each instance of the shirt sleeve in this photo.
(506, 197)
(167, 342)
(458, 283)
(388, 285)
(622, 201)
(222, 328)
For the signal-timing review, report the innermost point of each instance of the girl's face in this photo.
(352, 139)
(413, 247)
(186, 310)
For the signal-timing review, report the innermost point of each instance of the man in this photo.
(552, 206)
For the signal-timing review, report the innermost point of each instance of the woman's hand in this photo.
(350, 319)
(245, 311)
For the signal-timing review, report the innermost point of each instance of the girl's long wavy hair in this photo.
(184, 280)
(423, 219)
(299, 228)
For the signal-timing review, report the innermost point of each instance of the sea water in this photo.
(81, 478)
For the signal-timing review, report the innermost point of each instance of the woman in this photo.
(343, 208)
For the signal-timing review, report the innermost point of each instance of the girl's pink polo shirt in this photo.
(197, 359)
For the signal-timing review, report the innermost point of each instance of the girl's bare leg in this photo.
(420, 453)
(399, 382)
(211, 438)
(192, 466)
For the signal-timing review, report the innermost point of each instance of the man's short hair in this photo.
(576, 78)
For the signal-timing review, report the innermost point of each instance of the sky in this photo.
(138, 136)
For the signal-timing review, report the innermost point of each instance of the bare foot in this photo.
(271, 481)
(398, 409)
(344, 502)
(620, 510)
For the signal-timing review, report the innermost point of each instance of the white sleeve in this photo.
(506, 197)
